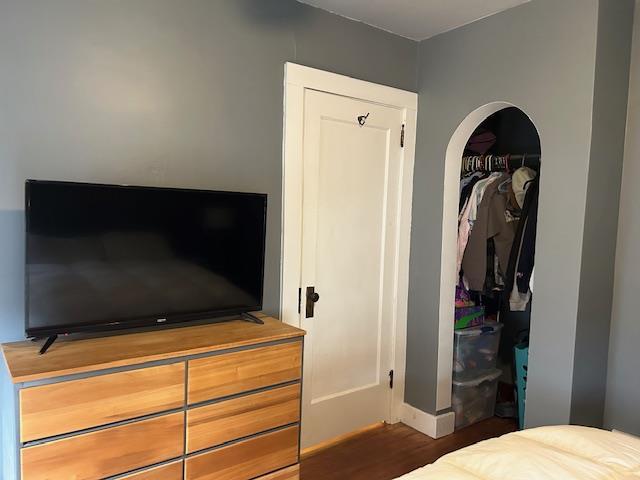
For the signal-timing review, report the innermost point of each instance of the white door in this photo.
(351, 206)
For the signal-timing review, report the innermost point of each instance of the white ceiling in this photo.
(415, 19)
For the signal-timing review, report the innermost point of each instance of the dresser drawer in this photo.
(171, 471)
(228, 420)
(106, 452)
(66, 407)
(291, 473)
(237, 372)
(247, 459)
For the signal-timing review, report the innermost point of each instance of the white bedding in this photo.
(555, 453)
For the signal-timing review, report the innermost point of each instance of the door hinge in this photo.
(402, 136)
(299, 299)
(391, 379)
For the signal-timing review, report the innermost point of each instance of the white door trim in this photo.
(297, 79)
(448, 274)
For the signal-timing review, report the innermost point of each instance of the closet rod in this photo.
(498, 163)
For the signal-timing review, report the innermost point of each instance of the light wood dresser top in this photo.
(68, 357)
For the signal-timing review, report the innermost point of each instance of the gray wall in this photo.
(623, 381)
(181, 93)
(541, 57)
(615, 24)
(161, 92)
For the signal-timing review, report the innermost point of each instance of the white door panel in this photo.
(351, 200)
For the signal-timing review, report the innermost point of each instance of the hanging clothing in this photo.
(468, 217)
(478, 194)
(526, 261)
(520, 181)
(467, 179)
(514, 210)
(467, 184)
(522, 265)
(518, 301)
(491, 223)
(493, 282)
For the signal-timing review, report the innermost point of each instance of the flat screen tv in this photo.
(106, 256)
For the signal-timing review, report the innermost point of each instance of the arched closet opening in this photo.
(497, 208)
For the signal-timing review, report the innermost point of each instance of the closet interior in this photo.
(498, 209)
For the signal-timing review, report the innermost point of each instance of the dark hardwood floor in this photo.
(389, 451)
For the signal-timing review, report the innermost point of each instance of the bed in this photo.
(562, 453)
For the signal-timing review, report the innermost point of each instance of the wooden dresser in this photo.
(217, 401)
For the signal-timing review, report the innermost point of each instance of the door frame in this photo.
(298, 79)
(449, 252)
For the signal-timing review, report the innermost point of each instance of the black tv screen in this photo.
(107, 256)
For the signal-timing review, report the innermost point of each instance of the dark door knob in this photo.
(312, 298)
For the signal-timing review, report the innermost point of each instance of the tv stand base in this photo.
(48, 343)
(249, 317)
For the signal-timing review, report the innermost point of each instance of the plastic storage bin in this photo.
(474, 399)
(476, 349)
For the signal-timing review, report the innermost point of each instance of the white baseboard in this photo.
(431, 425)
